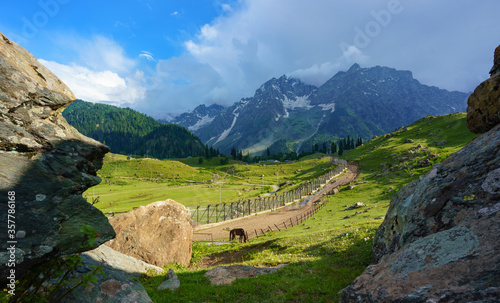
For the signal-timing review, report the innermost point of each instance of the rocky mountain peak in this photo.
(284, 86)
(354, 68)
(199, 117)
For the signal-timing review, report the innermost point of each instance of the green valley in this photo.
(324, 253)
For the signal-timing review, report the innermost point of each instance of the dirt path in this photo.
(270, 219)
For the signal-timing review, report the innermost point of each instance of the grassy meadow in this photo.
(131, 183)
(328, 251)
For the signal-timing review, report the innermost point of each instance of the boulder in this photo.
(106, 255)
(483, 106)
(224, 275)
(171, 282)
(159, 233)
(46, 164)
(424, 163)
(440, 239)
(118, 282)
(356, 205)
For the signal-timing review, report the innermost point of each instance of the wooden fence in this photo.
(287, 223)
(227, 211)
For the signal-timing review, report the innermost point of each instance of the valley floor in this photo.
(256, 224)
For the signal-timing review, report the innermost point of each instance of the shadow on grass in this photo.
(246, 253)
(336, 263)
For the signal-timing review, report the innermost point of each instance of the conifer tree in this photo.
(207, 152)
(333, 147)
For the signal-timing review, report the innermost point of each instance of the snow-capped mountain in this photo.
(359, 102)
(199, 117)
(193, 120)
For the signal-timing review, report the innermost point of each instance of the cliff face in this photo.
(45, 165)
(440, 239)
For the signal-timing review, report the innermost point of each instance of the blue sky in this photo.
(169, 56)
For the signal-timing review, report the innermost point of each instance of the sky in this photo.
(159, 56)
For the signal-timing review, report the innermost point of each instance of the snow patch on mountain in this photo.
(200, 123)
(298, 102)
(325, 107)
(227, 131)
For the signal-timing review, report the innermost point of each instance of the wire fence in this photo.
(227, 211)
(288, 223)
(259, 232)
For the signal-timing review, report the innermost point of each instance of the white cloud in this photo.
(147, 55)
(103, 71)
(226, 8)
(100, 53)
(96, 86)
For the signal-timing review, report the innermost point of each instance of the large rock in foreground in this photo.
(117, 285)
(46, 164)
(159, 233)
(441, 236)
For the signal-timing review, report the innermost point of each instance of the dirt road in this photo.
(270, 219)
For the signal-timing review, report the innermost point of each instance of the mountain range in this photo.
(286, 114)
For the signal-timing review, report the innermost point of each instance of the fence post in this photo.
(198, 214)
(208, 214)
(216, 213)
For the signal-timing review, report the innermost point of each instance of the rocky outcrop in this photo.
(483, 111)
(224, 275)
(440, 239)
(45, 166)
(159, 233)
(496, 62)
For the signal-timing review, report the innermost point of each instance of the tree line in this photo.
(129, 132)
(335, 147)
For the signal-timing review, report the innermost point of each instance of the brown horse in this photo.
(238, 232)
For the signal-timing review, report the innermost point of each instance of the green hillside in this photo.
(328, 251)
(129, 132)
(131, 183)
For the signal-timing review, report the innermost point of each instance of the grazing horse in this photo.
(238, 232)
